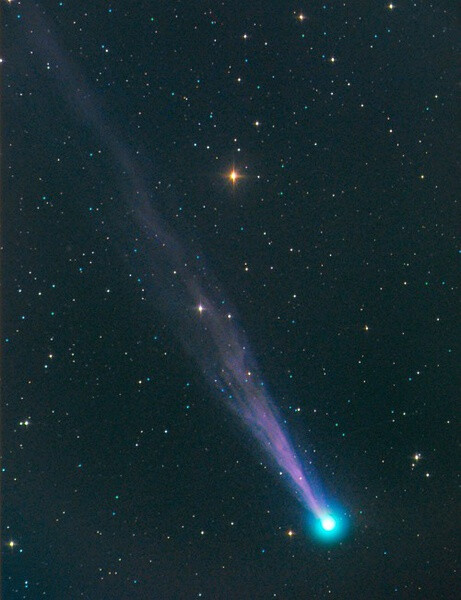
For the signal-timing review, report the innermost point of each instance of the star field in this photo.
(303, 158)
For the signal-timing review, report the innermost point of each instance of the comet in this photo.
(181, 286)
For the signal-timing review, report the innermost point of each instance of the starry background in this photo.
(123, 476)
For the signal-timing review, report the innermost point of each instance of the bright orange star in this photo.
(233, 176)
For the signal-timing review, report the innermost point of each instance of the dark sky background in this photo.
(125, 477)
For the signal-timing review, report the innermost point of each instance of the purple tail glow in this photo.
(240, 384)
(182, 287)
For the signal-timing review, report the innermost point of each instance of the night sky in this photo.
(179, 175)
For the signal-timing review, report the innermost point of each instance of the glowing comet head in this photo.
(329, 527)
(328, 523)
